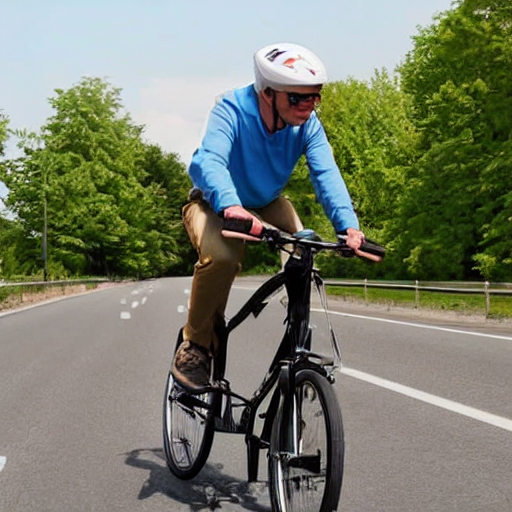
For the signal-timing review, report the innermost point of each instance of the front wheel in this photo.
(307, 448)
(188, 429)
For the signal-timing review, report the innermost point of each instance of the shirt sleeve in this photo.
(328, 183)
(209, 166)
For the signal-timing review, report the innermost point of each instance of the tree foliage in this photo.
(455, 217)
(168, 174)
(90, 169)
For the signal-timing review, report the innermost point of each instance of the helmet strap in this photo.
(275, 114)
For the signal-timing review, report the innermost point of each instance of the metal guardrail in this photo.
(485, 288)
(66, 282)
(478, 288)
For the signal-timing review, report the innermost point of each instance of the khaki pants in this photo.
(220, 259)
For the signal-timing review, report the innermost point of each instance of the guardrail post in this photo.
(366, 291)
(417, 295)
(487, 299)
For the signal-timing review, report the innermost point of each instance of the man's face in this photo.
(296, 103)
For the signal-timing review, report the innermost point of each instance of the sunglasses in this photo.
(295, 98)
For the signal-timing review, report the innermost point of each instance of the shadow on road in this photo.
(207, 491)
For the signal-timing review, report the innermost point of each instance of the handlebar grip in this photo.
(237, 225)
(372, 248)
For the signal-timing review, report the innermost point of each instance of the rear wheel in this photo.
(188, 429)
(307, 449)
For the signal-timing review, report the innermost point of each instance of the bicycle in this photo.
(302, 428)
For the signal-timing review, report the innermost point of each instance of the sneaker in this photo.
(191, 365)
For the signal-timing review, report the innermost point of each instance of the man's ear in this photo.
(268, 95)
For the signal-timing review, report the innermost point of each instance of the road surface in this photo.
(427, 408)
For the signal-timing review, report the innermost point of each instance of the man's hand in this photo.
(354, 238)
(254, 226)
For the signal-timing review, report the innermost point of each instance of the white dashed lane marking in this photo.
(3, 460)
(126, 315)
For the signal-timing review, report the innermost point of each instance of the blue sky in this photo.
(172, 57)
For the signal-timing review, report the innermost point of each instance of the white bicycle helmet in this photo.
(286, 64)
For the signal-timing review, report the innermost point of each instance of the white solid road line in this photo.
(421, 326)
(470, 412)
(449, 405)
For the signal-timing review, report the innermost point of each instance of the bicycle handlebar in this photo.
(309, 238)
(305, 238)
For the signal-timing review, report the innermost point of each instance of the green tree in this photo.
(4, 223)
(165, 171)
(373, 141)
(87, 167)
(22, 238)
(13, 242)
(455, 218)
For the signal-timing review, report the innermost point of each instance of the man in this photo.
(254, 138)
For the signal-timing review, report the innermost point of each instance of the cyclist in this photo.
(254, 137)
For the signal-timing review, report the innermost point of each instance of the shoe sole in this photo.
(182, 380)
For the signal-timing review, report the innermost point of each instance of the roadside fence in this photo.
(484, 289)
(16, 291)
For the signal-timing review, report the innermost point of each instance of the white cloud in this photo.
(174, 110)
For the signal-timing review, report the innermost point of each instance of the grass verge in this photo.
(500, 307)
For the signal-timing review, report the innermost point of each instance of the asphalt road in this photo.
(426, 405)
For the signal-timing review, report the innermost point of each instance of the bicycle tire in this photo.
(188, 429)
(311, 479)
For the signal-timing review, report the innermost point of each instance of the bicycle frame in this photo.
(294, 353)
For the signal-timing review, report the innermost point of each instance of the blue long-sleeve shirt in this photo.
(240, 163)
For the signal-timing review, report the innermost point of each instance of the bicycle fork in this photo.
(291, 424)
